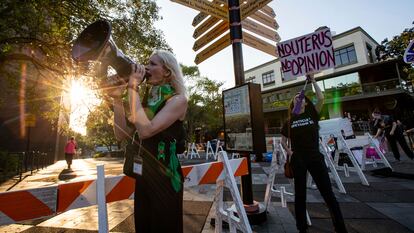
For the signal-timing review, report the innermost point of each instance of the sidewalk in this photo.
(386, 206)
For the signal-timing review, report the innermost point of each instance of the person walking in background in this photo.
(70, 151)
(302, 130)
(158, 120)
(395, 133)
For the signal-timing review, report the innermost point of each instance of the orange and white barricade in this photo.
(23, 205)
(196, 175)
(16, 206)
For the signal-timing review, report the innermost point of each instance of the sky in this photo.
(379, 18)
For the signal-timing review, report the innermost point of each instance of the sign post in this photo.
(232, 14)
(236, 38)
(244, 134)
(256, 214)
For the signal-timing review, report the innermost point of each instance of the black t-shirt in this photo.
(304, 132)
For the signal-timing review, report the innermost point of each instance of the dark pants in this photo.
(68, 158)
(315, 164)
(158, 208)
(401, 140)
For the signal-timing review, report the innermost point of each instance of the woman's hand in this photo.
(137, 76)
(310, 78)
(116, 86)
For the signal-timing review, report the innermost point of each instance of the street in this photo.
(387, 205)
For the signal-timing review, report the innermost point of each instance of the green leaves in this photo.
(205, 107)
(395, 47)
(39, 34)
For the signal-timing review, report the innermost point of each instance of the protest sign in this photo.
(305, 54)
(409, 53)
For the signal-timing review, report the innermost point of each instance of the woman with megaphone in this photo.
(157, 119)
(302, 131)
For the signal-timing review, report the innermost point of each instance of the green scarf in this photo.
(154, 100)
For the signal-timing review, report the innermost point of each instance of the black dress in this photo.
(158, 206)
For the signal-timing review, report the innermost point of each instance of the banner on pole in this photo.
(309, 53)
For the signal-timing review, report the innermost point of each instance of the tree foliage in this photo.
(36, 39)
(205, 107)
(396, 47)
(99, 126)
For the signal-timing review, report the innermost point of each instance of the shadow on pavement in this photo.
(67, 174)
(387, 172)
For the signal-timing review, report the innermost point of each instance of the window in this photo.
(345, 56)
(268, 78)
(369, 53)
(344, 85)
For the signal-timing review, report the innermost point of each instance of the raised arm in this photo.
(173, 110)
(319, 95)
(121, 129)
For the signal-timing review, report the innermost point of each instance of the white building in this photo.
(357, 84)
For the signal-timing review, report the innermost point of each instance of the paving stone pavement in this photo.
(387, 205)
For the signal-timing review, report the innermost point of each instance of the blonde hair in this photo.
(170, 62)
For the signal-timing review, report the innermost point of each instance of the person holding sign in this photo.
(302, 130)
(157, 118)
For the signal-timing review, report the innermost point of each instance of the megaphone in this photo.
(95, 43)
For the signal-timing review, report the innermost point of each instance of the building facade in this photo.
(358, 84)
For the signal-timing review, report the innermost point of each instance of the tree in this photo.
(36, 38)
(99, 127)
(205, 107)
(395, 47)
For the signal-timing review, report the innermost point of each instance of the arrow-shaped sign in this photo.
(264, 19)
(205, 7)
(214, 48)
(220, 11)
(214, 33)
(198, 18)
(260, 30)
(205, 26)
(223, 26)
(250, 7)
(259, 44)
(268, 11)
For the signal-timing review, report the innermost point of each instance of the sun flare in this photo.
(82, 101)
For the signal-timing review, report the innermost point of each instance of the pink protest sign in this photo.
(305, 54)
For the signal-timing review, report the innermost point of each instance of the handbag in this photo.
(133, 159)
(288, 169)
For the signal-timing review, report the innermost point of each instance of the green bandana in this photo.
(156, 98)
